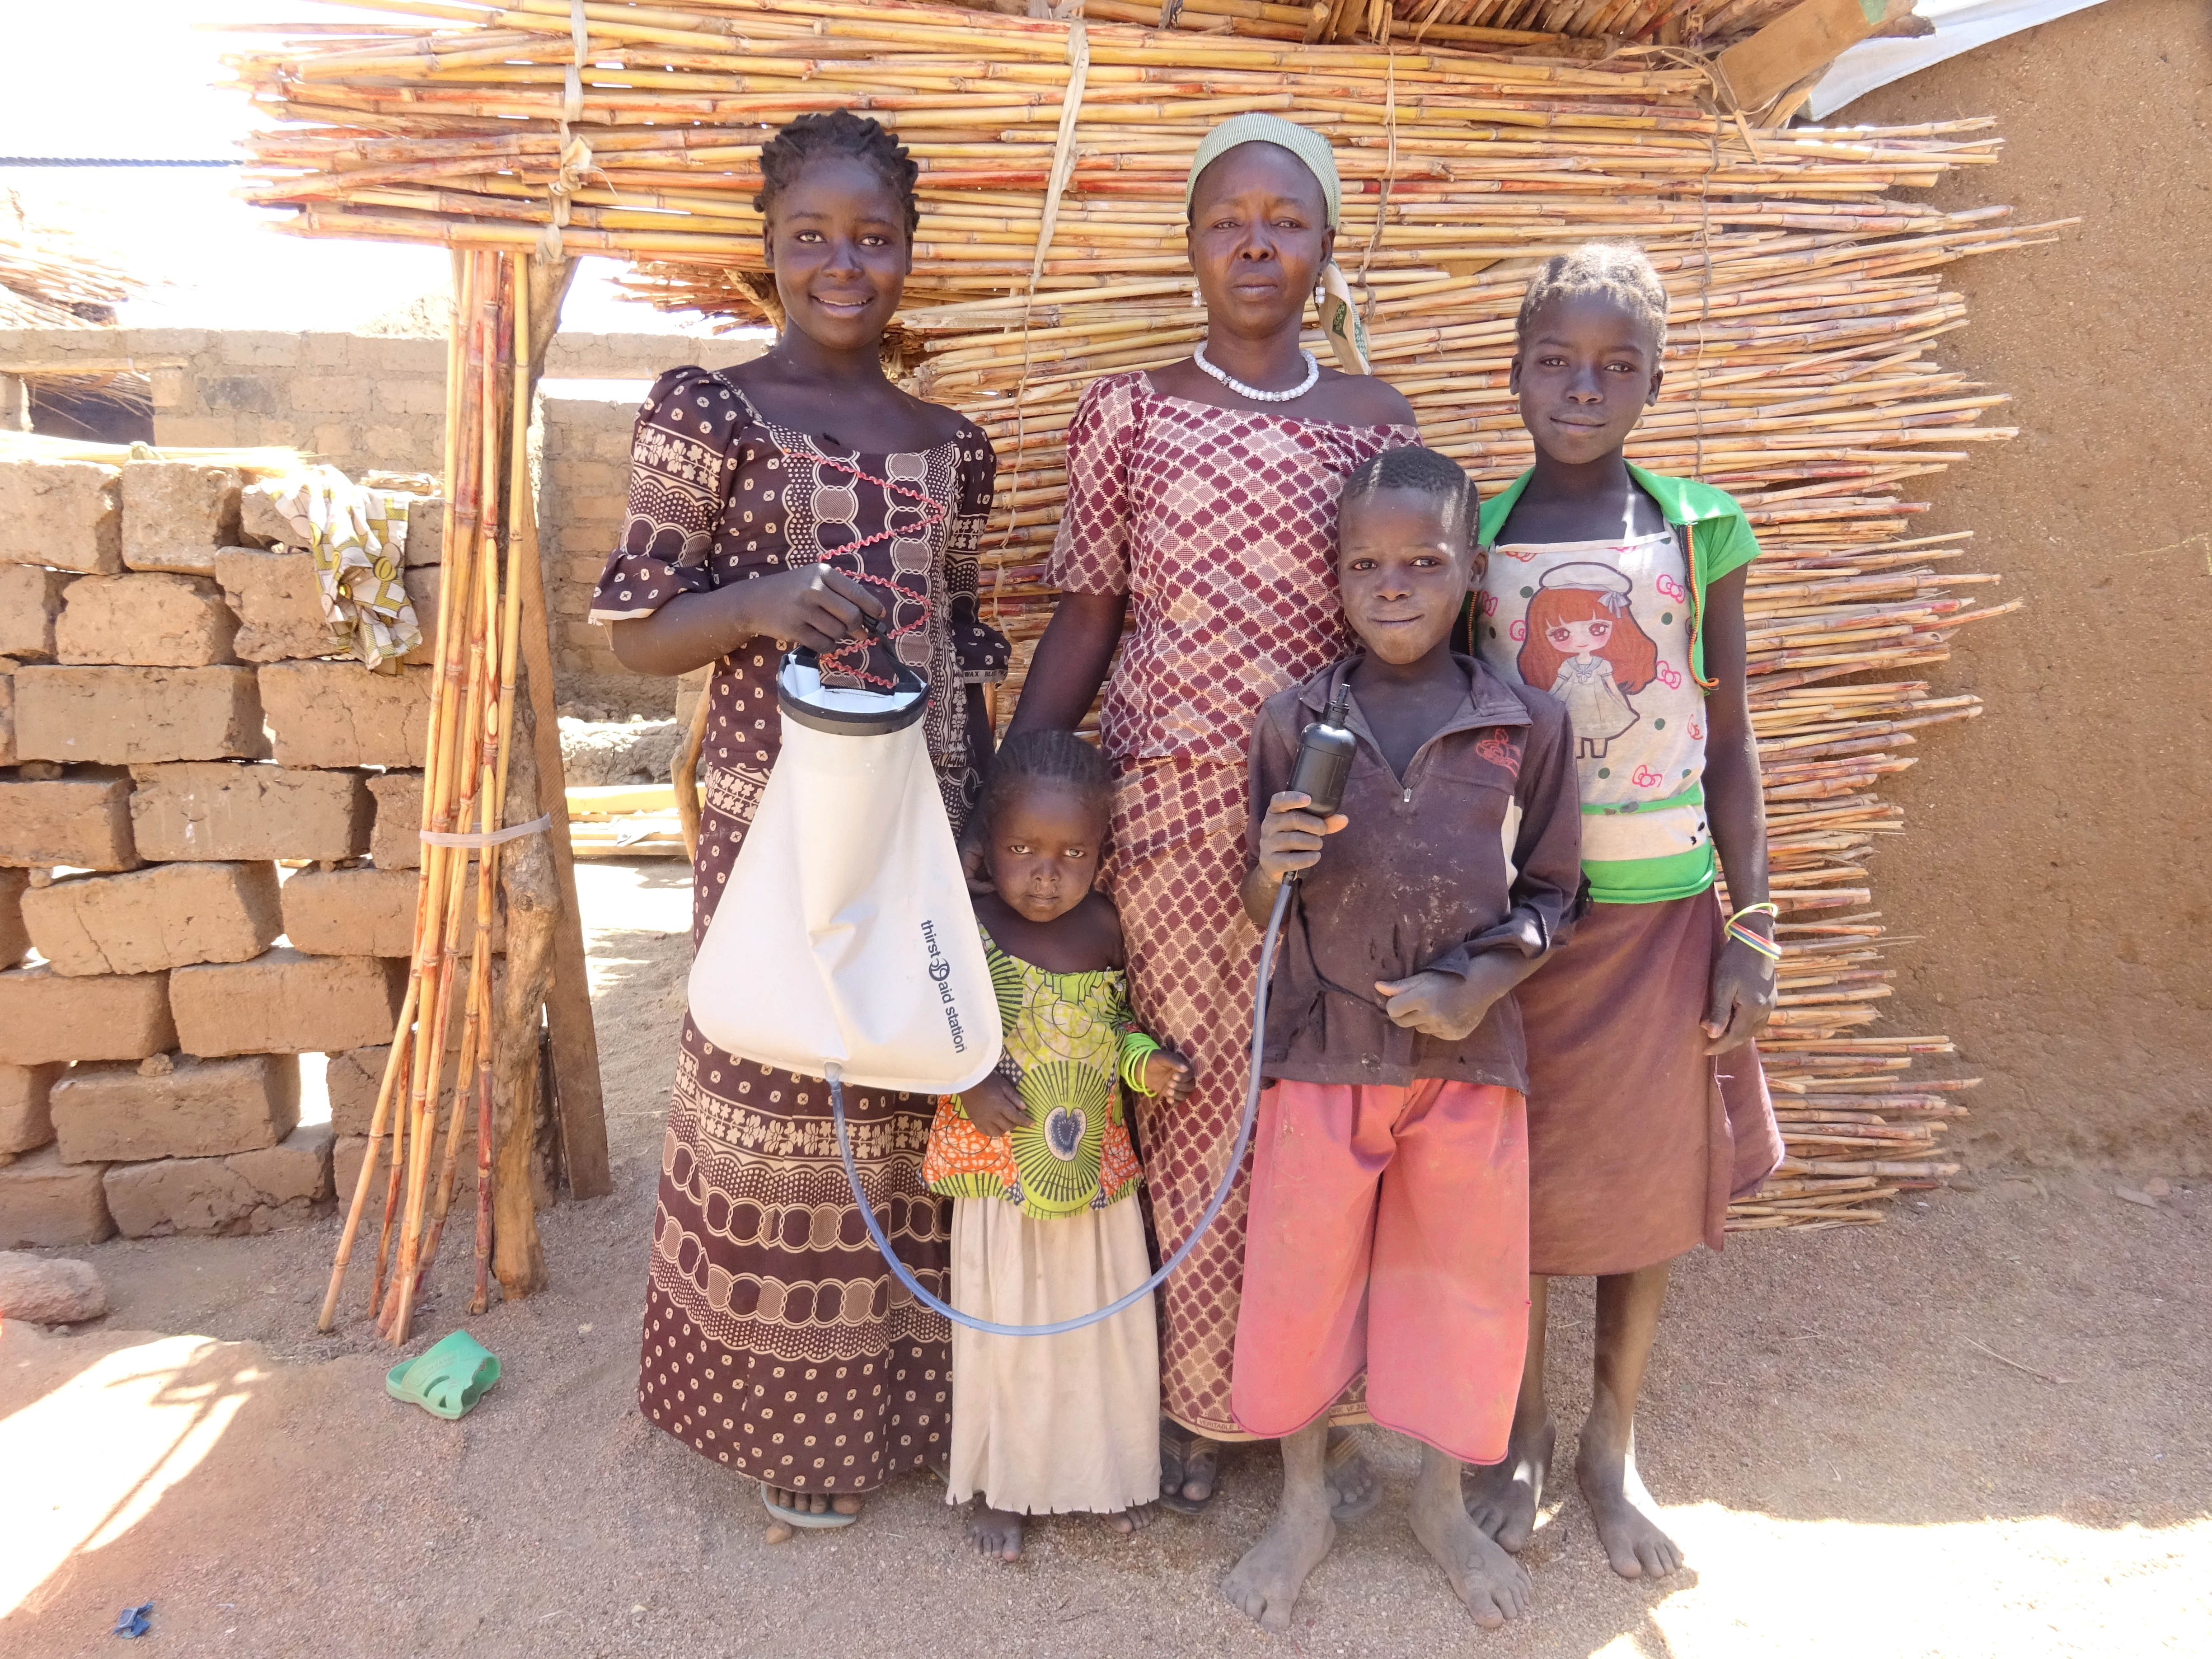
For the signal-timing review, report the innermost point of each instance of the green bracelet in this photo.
(1136, 1049)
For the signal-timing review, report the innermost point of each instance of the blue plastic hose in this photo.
(899, 1270)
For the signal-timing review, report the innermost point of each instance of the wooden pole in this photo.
(583, 1110)
(395, 1063)
(684, 773)
(568, 997)
(525, 365)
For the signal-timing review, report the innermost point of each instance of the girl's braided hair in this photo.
(1617, 271)
(1044, 757)
(837, 132)
(1425, 473)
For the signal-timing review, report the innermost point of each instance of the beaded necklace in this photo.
(1313, 374)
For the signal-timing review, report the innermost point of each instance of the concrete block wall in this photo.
(187, 900)
(377, 403)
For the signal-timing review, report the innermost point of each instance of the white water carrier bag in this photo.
(845, 936)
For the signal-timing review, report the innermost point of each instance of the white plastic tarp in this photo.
(1960, 26)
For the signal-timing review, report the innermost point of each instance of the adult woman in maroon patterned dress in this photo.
(1201, 507)
(775, 1339)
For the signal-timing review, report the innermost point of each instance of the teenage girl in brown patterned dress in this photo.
(1208, 517)
(775, 1339)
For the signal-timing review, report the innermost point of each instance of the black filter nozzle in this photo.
(1325, 750)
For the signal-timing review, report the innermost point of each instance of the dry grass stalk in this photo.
(50, 277)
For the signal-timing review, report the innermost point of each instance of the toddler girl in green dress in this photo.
(1038, 1162)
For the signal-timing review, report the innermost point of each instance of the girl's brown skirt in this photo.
(1637, 1138)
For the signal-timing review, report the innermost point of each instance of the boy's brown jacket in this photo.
(1478, 848)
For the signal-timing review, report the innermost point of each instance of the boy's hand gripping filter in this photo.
(845, 937)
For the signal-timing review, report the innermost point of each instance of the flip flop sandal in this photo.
(1343, 1452)
(446, 1379)
(1189, 1459)
(827, 1521)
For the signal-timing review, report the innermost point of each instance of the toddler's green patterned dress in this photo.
(1069, 1039)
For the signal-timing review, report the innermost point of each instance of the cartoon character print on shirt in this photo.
(1584, 647)
(1604, 626)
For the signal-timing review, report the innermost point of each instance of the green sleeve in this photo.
(1724, 544)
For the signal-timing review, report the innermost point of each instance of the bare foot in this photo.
(1503, 1497)
(1353, 1487)
(1622, 1509)
(816, 1503)
(1493, 1585)
(996, 1532)
(1265, 1584)
(1135, 1518)
(1189, 1464)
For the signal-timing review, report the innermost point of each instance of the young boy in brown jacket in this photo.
(1390, 1228)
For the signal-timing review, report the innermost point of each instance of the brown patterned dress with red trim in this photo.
(1220, 525)
(775, 1339)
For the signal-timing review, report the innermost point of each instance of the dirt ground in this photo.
(1985, 1428)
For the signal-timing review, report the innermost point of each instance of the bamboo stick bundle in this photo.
(464, 797)
(1807, 287)
(1706, 23)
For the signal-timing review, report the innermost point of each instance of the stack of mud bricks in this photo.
(208, 854)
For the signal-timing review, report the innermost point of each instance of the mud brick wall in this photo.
(190, 789)
(585, 496)
(366, 403)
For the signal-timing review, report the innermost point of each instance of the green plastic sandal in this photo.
(446, 1379)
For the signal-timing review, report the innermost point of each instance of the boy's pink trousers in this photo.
(1388, 1231)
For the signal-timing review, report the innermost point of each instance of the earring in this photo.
(1197, 299)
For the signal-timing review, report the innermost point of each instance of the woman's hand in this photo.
(995, 1106)
(1168, 1075)
(1290, 835)
(817, 607)
(975, 865)
(1742, 999)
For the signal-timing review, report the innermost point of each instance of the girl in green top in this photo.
(1621, 593)
(1038, 1163)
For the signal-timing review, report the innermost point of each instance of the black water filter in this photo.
(1325, 750)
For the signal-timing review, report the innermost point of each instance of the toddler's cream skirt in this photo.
(1049, 1424)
